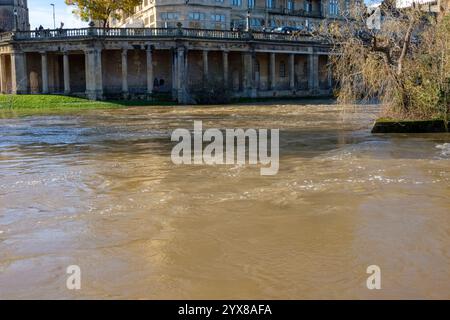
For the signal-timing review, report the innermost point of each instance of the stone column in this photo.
(181, 76)
(125, 71)
(66, 71)
(205, 66)
(272, 78)
(292, 71)
(174, 74)
(329, 75)
(90, 74)
(253, 82)
(149, 70)
(249, 74)
(19, 80)
(225, 68)
(246, 62)
(99, 73)
(94, 77)
(44, 68)
(313, 73)
(2, 76)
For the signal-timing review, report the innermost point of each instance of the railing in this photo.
(154, 33)
(95, 32)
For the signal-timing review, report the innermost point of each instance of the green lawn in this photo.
(24, 105)
(63, 102)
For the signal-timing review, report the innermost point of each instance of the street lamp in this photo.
(54, 18)
(248, 21)
(16, 22)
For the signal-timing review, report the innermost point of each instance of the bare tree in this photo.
(392, 63)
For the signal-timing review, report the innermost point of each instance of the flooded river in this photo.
(97, 189)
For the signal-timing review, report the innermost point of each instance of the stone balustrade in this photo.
(155, 33)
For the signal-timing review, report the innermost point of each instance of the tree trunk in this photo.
(406, 43)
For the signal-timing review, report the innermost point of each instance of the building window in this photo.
(169, 16)
(282, 69)
(347, 6)
(218, 17)
(196, 16)
(308, 5)
(270, 4)
(235, 23)
(290, 5)
(251, 4)
(254, 22)
(236, 3)
(334, 7)
(195, 25)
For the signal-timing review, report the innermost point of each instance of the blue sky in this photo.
(41, 14)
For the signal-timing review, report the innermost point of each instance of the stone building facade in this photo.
(440, 6)
(227, 14)
(113, 63)
(427, 5)
(14, 15)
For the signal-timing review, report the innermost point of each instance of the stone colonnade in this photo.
(99, 73)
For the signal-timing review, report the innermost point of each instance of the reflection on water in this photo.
(97, 189)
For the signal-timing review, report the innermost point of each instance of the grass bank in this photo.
(64, 102)
(22, 105)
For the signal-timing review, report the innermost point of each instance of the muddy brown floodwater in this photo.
(98, 189)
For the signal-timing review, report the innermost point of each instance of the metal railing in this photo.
(145, 33)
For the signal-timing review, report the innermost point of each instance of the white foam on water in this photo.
(445, 147)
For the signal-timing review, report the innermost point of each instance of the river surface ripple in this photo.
(97, 189)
